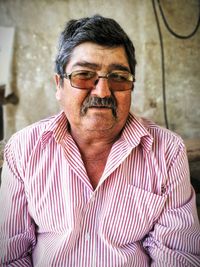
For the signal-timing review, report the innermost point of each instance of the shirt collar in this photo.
(57, 127)
(134, 133)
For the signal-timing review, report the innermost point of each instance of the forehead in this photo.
(97, 56)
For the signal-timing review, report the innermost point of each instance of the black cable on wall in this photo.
(162, 66)
(172, 31)
(162, 50)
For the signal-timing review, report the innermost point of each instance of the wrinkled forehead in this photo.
(94, 56)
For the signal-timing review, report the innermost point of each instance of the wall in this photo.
(38, 24)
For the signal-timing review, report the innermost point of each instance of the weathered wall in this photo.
(38, 24)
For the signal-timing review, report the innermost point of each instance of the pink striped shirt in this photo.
(142, 212)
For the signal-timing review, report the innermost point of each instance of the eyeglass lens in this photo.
(88, 80)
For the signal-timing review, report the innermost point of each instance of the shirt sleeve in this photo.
(175, 238)
(17, 230)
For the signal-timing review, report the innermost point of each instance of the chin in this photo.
(100, 126)
(100, 121)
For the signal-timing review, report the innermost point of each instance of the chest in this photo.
(95, 169)
(61, 199)
(121, 213)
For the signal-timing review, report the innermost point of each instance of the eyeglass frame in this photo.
(68, 77)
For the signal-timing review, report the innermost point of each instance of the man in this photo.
(94, 185)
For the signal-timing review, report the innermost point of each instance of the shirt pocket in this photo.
(130, 216)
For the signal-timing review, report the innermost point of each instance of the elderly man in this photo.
(95, 186)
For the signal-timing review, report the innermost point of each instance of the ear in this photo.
(57, 80)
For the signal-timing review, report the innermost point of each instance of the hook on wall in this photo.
(9, 99)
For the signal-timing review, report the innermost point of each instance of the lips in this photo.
(101, 106)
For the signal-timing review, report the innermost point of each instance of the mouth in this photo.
(103, 109)
(100, 107)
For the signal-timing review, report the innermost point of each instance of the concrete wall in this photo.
(38, 24)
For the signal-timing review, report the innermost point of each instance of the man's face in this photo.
(76, 103)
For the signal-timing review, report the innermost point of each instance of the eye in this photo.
(83, 74)
(119, 76)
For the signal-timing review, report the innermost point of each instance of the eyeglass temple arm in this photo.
(65, 75)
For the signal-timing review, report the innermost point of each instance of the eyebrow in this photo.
(86, 64)
(94, 66)
(119, 67)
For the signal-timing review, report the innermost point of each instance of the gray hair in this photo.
(97, 29)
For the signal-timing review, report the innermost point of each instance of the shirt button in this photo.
(87, 237)
(92, 198)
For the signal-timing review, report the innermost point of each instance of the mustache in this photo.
(105, 102)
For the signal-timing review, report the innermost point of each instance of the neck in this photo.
(94, 145)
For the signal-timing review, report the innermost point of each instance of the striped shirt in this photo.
(142, 213)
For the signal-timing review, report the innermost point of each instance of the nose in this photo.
(101, 88)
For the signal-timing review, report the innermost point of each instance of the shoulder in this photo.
(22, 145)
(32, 131)
(163, 139)
(23, 141)
(161, 134)
(167, 143)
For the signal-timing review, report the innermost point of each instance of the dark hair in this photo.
(97, 29)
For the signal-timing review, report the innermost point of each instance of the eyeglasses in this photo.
(87, 80)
